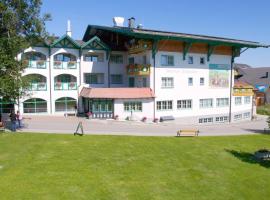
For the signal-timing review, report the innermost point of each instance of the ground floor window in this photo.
(206, 120)
(206, 103)
(184, 104)
(133, 106)
(237, 117)
(246, 115)
(65, 104)
(222, 119)
(238, 100)
(35, 105)
(165, 105)
(6, 106)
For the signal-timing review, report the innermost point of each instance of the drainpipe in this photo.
(109, 71)
(154, 62)
(231, 86)
(50, 80)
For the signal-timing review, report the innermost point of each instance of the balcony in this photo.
(41, 86)
(35, 64)
(65, 65)
(138, 69)
(65, 86)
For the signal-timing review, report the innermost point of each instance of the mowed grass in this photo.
(51, 166)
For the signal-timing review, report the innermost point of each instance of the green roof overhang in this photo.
(73, 42)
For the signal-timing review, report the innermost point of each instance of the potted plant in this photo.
(40, 63)
(144, 119)
(58, 85)
(116, 117)
(88, 115)
(72, 85)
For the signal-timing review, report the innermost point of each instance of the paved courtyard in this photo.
(55, 124)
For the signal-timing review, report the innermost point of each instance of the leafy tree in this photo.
(20, 26)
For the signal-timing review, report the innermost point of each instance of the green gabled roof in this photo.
(95, 44)
(65, 42)
(165, 35)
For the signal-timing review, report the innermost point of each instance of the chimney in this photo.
(69, 33)
(131, 22)
(266, 75)
(118, 21)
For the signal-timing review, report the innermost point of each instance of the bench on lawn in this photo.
(166, 118)
(188, 132)
(2, 127)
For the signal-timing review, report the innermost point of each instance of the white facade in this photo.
(190, 82)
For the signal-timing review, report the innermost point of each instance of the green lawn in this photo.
(51, 166)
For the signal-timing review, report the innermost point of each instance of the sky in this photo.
(238, 19)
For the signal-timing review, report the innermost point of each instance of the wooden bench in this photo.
(190, 132)
(166, 118)
(2, 127)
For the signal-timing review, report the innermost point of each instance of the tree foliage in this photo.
(20, 26)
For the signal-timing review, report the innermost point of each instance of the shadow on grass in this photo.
(248, 158)
(261, 131)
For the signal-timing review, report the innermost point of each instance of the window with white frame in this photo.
(144, 59)
(201, 81)
(165, 105)
(167, 82)
(206, 103)
(94, 78)
(247, 100)
(93, 57)
(184, 104)
(222, 119)
(246, 115)
(222, 102)
(167, 60)
(238, 100)
(202, 60)
(206, 120)
(116, 59)
(133, 106)
(190, 60)
(237, 117)
(116, 79)
(190, 81)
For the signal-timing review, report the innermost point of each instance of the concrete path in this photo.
(54, 124)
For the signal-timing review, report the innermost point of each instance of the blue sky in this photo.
(239, 19)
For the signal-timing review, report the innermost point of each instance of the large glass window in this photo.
(247, 100)
(222, 102)
(65, 104)
(116, 79)
(184, 104)
(167, 82)
(133, 106)
(206, 103)
(35, 105)
(94, 78)
(165, 105)
(167, 60)
(35, 56)
(64, 57)
(238, 100)
(116, 58)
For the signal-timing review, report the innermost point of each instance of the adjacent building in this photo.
(132, 72)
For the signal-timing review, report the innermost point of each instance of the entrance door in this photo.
(101, 108)
(131, 82)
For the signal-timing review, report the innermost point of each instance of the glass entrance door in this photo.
(101, 108)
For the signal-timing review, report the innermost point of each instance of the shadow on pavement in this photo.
(248, 158)
(261, 131)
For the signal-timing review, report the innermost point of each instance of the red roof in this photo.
(117, 93)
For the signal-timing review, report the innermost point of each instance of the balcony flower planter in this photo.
(58, 85)
(41, 85)
(57, 64)
(25, 62)
(40, 63)
(71, 64)
(72, 85)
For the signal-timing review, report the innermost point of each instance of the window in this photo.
(91, 58)
(116, 59)
(190, 81)
(206, 120)
(144, 59)
(165, 105)
(65, 104)
(144, 82)
(167, 82)
(238, 100)
(35, 105)
(94, 78)
(133, 106)
(237, 117)
(201, 81)
(190, 60)
(246, 115)
(206, 103)
(167, 60)
(131, 60)
(222, 119)
(64, 57)
(222, 102)
(247, 100)
(184, 104)
(116, 79)
(202, 60)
